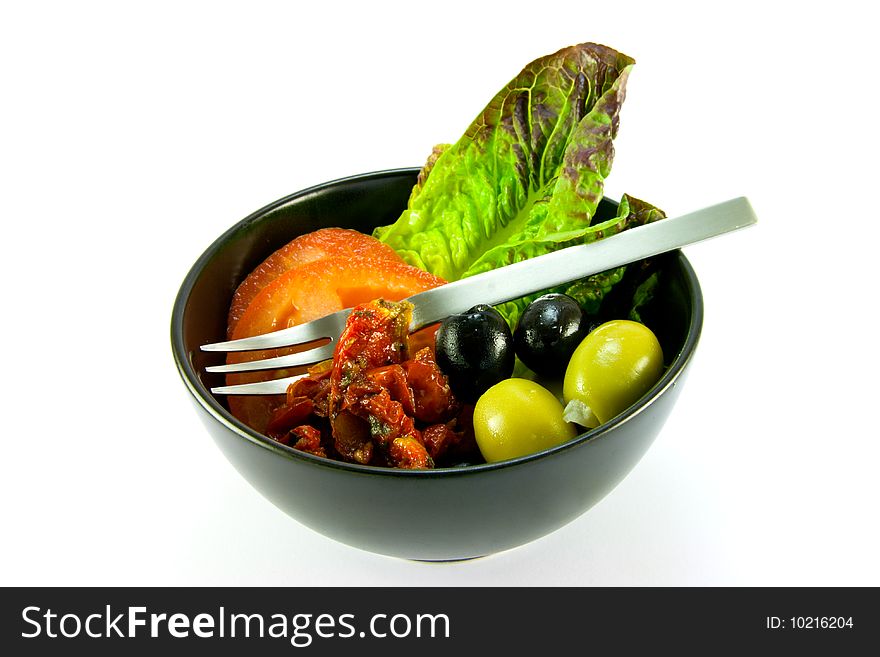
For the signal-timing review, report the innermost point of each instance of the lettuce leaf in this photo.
(526, 177)
(589, 292)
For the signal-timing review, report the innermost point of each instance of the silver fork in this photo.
(492, 287)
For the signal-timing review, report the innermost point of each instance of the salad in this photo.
(490, 384)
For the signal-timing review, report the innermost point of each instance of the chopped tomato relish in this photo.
(375, 403)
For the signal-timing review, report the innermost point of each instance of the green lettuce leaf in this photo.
(526, 177)
(589, 292)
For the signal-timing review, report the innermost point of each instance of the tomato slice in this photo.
(307, 292)
(311, 247)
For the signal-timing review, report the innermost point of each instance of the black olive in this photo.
(550, 329)
(475, 351)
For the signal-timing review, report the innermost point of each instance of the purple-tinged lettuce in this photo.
(527, 176)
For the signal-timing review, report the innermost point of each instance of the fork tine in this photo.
(301, 358)
(273, 387)
(325, 327)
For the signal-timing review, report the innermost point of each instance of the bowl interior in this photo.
(360, 202)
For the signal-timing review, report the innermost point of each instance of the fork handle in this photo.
(569, 264)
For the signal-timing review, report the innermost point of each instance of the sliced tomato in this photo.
(305, 293)
(311, 247)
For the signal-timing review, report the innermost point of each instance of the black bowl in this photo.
(444, 514)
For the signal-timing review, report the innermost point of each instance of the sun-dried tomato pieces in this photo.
(351, 438)
(294, 413)
(368, 384)
(454, 439)
(393, 379)
(408, 453)
(315, 387)
(373, 404)
(308, 439)
(430, 388)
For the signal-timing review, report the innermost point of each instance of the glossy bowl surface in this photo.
(432, 515)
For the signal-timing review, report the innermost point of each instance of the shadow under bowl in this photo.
(430, 515)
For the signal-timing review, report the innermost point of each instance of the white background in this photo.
(134, 134)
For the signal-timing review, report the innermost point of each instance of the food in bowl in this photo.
(518, 417)
(525, 179)
(343, 273)
(375, 403)
(548, 332)
(610, 370)
(475, 350)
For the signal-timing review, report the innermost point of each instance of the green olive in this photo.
(613, 367)
(517, 417)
